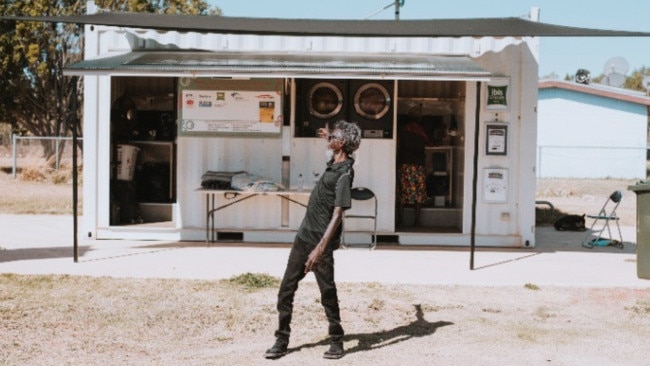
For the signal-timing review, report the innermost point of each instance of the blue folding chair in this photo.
(606, 215)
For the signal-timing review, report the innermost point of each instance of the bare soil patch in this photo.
(40, 186)
(60, 320)
(37, 193)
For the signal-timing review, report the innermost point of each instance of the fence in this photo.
(591, 161)
(16, 142)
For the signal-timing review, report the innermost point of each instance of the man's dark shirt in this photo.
(332, 190)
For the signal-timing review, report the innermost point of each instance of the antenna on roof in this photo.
(615, 69)
(397, 3)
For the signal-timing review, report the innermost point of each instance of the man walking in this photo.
(317, 238)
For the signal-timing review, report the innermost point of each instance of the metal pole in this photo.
(397, 9)
(13, 155)
(75, 180)
(56, 144)
(477, 126)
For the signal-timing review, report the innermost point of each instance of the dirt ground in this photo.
(66, 320)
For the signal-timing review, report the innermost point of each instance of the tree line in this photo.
(634, 81)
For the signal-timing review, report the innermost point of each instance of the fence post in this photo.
(13, 155)
(15, 138)
(56, 146)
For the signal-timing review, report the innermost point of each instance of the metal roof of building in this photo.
(605, 91)
(386, 66)
(480, 27)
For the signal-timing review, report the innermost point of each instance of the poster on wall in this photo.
(210, 106)
(495, 185)
(497, 94)
(496, 139)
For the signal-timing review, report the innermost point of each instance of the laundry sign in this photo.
(224, 106)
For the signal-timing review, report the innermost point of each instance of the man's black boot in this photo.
(278, 350)
(336, 350)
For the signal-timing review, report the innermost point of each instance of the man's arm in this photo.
(316, 254)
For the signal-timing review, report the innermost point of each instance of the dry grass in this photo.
(37, 192)
(61, 320)
(38, 188)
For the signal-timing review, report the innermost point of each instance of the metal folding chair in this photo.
(362, 194)
(606, 215)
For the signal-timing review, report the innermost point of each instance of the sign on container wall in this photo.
(224, 106)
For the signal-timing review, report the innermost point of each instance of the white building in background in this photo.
(591, 131)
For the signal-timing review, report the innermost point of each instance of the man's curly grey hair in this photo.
(351, 135)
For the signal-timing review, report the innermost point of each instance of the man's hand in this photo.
(323, 133)
(314, 257)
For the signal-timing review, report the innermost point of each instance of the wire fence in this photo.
(569, 161)
(28, 151)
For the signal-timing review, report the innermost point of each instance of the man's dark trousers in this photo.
(295, 271)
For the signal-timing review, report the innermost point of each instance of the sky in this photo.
(558, 55)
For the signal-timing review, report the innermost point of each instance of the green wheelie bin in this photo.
(642, 190)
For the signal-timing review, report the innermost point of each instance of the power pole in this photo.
(397, 6)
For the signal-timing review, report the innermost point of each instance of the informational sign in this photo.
(224, 106)
(496, 139)
(495, 185)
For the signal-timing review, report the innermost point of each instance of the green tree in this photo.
(635, 80)
(34, 94)
(191, 7)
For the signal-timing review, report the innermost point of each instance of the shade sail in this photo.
(478, 27)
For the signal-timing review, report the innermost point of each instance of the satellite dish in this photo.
(583, 76)
(616, 79)
(615, 69)
(617, 65)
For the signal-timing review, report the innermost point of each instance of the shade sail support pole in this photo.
(75, 178)
(477, 128)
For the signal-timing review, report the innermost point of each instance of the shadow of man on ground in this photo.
(371, 341)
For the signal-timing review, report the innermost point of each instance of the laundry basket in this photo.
(126, 157)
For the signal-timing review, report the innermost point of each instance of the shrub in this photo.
(32, 175)
(255, 280)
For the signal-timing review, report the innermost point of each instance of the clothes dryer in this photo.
(319, 103)
(372, 107)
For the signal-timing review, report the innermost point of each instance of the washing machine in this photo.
(372, 107)
(319, 103)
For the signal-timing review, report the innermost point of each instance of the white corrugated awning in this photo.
(304, 65)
